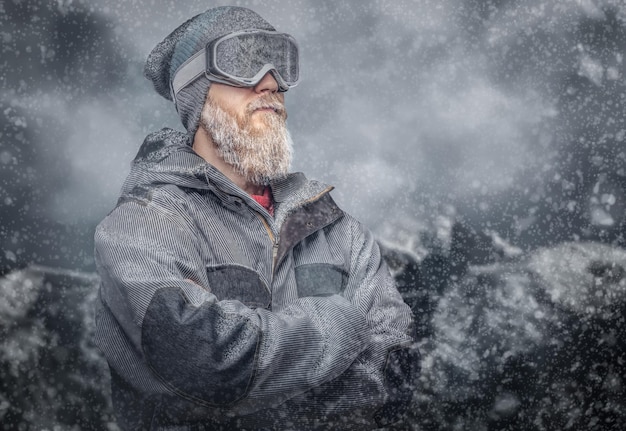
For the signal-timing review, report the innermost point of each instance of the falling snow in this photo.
(482, 141)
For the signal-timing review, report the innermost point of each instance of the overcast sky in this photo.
(400, 103)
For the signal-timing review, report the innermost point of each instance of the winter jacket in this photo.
(215, 315)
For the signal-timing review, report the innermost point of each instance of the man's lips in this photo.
(267, 106)
(266, 109)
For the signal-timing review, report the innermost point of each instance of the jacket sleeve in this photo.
(378, 387)
(204, 350)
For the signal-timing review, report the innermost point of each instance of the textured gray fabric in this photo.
(303, 358)
(185, 41)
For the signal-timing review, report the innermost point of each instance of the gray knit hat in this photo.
(191, 37)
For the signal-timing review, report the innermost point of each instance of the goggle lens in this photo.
(244, 55)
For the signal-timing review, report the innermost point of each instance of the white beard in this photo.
(259, 154)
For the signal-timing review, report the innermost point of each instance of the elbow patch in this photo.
(200, 353)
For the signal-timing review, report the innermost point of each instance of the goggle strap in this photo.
(188, 72)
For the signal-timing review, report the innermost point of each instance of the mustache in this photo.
(270, 101)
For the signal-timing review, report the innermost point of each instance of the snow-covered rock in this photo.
(52, 375)
(535, 344)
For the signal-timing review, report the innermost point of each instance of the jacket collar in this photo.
(166, 157)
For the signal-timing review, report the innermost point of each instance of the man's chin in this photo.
(265, 180)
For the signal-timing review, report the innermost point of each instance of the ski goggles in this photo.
(242, 59)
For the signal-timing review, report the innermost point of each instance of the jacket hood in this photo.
(166, 157)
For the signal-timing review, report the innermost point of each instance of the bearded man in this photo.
(234, 294)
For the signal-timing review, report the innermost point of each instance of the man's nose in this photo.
(267, 84)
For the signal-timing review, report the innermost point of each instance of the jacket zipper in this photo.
(274, 240)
